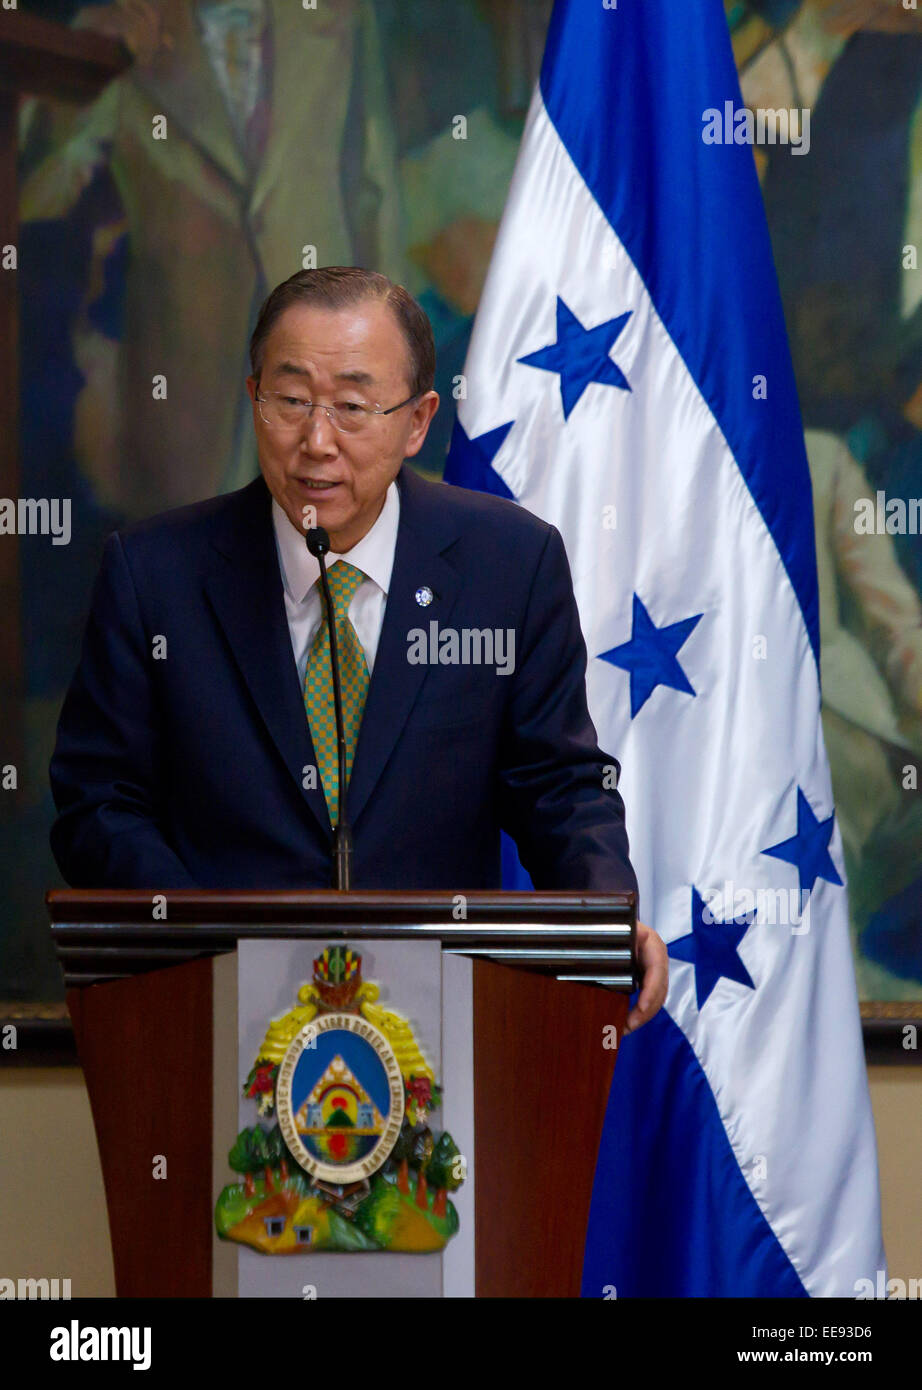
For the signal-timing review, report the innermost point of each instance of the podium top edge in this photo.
(85, 905)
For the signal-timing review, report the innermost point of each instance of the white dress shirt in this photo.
(373, 555)
(232, 37)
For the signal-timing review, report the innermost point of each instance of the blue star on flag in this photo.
(650, 656)
(711, 947)
(580, 355)
(470, 461)
(808, 850)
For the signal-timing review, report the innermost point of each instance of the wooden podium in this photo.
(155, 1023)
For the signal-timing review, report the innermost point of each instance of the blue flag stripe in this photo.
(678, 206)
(658, 1232)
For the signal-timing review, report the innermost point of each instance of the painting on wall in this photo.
(248, 138)
(846, 228)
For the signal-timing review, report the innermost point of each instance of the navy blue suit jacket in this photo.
(187, 769)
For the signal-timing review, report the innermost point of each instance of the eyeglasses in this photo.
(289, 412)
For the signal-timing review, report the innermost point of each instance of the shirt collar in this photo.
(229, 14)
(373, 554)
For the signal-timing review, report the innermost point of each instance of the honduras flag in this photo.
(629, 380)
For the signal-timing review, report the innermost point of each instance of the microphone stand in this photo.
(318, 543)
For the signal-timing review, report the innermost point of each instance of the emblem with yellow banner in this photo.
(351, 1162)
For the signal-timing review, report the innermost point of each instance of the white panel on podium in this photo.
(412, 981)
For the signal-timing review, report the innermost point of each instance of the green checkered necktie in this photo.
(318, 683)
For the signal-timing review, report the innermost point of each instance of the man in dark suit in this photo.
(196, 746)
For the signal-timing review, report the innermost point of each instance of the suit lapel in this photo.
(181, 82)
(423, 533)
(245, 590)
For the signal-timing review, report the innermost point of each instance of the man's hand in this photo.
(654, 962)
(138, 23)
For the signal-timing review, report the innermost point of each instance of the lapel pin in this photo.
(424, 596)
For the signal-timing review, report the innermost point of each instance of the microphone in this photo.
(318, 543)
